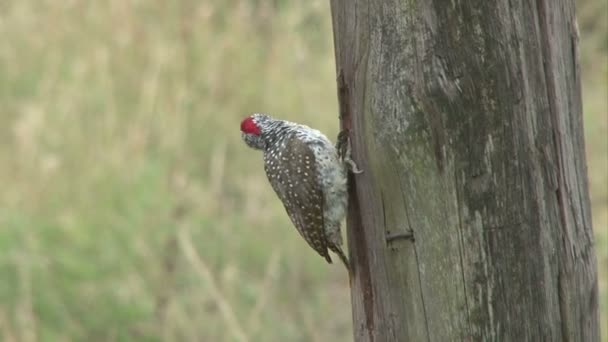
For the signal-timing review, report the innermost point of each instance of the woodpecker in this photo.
(308, 175)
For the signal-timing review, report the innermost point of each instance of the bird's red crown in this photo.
(249, 126)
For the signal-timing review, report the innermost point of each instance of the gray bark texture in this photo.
(466, 119)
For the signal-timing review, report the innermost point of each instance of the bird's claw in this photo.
(353, 166)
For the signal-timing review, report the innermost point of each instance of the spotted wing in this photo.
(293, 176)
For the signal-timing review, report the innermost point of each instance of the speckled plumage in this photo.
(308, 176)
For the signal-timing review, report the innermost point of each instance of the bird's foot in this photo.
(345, 151)
(341, 143)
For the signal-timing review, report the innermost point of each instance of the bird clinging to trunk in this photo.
(308, 174)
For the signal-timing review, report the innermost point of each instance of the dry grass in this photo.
(131, 210)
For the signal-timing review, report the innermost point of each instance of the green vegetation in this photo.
(130, 209)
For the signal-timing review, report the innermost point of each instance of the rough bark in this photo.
(466, 119)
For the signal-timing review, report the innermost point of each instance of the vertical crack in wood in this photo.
(411, 228)
(356, 235)
(360, 261)
(383, 204)
(426, 319)
(551, 97)
(563, 309)
(343, 105)
(566, 259)
(461, 251)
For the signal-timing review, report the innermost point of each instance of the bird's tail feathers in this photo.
(338, 250)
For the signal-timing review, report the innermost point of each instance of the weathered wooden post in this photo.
(466, 119)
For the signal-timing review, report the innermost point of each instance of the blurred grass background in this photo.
(130, 209)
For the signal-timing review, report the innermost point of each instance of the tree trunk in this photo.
(466, 119)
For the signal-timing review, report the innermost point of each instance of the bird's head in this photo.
(253, 129)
